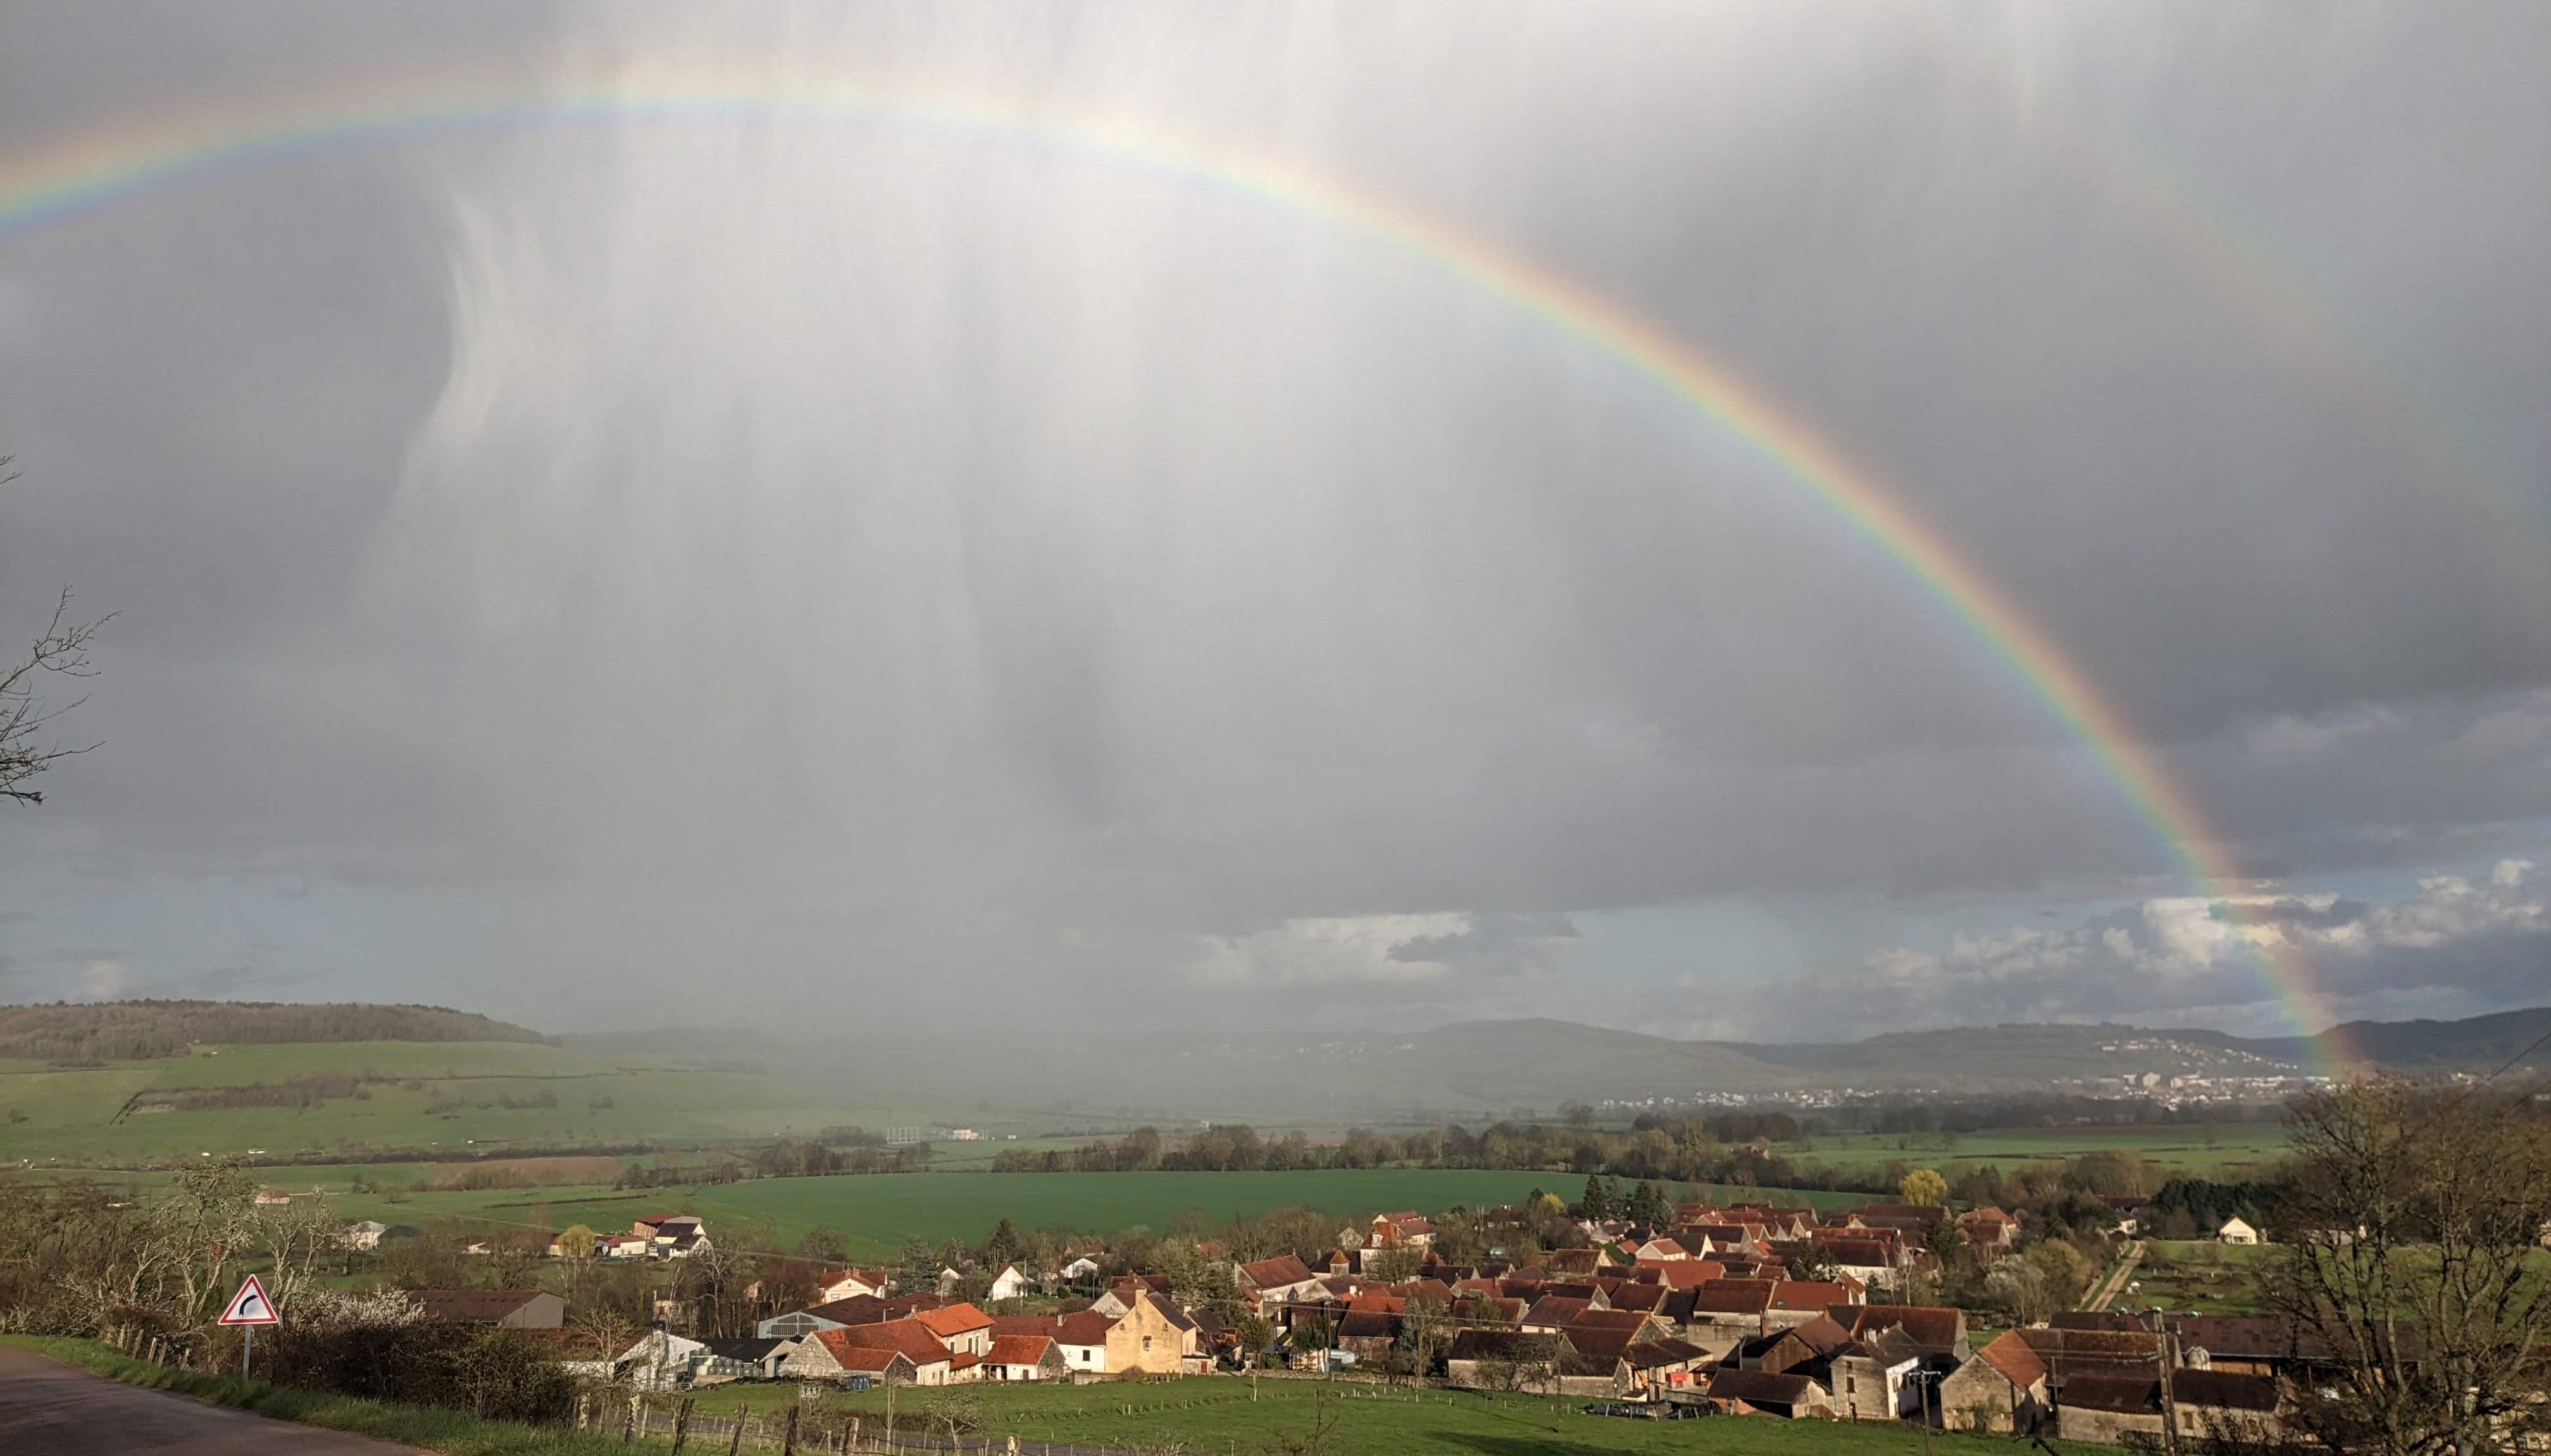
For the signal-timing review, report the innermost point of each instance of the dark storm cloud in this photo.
(892, 559)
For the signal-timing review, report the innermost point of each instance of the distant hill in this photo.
(2480, 1044)
(1970, 1056)
(115, 1031)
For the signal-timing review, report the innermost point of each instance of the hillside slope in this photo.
(119, 1031)
(2480, 1044)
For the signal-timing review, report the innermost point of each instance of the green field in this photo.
(464, 1097)
(2225, 1151)
(1202, 1415)
(1217, 1414)
(876, 1213)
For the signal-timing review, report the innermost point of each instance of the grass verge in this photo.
(415, 1425)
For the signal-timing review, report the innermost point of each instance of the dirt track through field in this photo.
(49, 1408)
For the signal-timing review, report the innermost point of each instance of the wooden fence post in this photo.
(681, 1424)
(737, 1439)
(788, 1437)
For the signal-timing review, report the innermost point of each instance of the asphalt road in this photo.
(49, 1408)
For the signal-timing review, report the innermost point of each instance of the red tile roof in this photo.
(1019, 1349)
(850, 1354)
(1271, 1274)
(954, 1320)
(1929, 1326)
(909, 1337)
(2010, 1357)
(1733, 1297)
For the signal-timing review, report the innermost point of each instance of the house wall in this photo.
(1979, 1398)
(1864, 1390)
(2106, 1427)
(1145, 1340)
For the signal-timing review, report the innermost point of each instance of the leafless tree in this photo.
(60, 650)
(2410, 1231)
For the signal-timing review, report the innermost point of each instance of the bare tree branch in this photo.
(60, 650)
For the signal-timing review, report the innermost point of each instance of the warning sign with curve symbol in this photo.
(251, 1305)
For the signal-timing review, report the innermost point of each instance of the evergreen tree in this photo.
(1003, 1246)
(1597, 1201)
(1648, 1206)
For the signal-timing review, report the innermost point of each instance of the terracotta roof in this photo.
(2064, 1350)
(1638, 1295)
(1019, 1349)
(1088, 1327)
(850, 1354)
(1733, 1297)
(1660, 1251)
(1367, 1324)
(2011, 1356)
(1555, 1309)
(1268, 1274)
(954, 1320)
(1801, 1294)
(2248, 1337)
(1758, 1387)
(1822, 1336)
(909, 1337)
(1596, 1351)
(1629, 1320)
(1689, 1272)
(1933, 1328)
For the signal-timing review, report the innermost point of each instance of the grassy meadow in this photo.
(1202, 1415)
(412, 1095)
(2225, 1152)
(876, 1213)
(1221, 1413)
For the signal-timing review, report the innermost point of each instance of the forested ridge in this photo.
(113, 1031)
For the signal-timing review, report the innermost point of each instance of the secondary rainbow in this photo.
(95, 169)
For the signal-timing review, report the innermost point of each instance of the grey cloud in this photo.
(884, 554)
(2459, 945)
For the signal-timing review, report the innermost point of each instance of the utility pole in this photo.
(2163, 1343)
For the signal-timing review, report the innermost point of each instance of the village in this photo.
(1745, 1308)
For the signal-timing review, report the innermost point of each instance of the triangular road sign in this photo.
(251, 1305)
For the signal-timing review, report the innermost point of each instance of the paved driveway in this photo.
(49, 1408)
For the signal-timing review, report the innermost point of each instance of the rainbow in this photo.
(93, 170)
(2243, 274)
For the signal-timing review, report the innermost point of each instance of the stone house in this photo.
(2003, 1390)
(1879, 1375)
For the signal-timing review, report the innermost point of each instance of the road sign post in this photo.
(249, 1308)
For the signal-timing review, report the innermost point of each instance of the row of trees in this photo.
(1686, 1151)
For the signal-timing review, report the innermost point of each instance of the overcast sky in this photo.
(589, 566)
